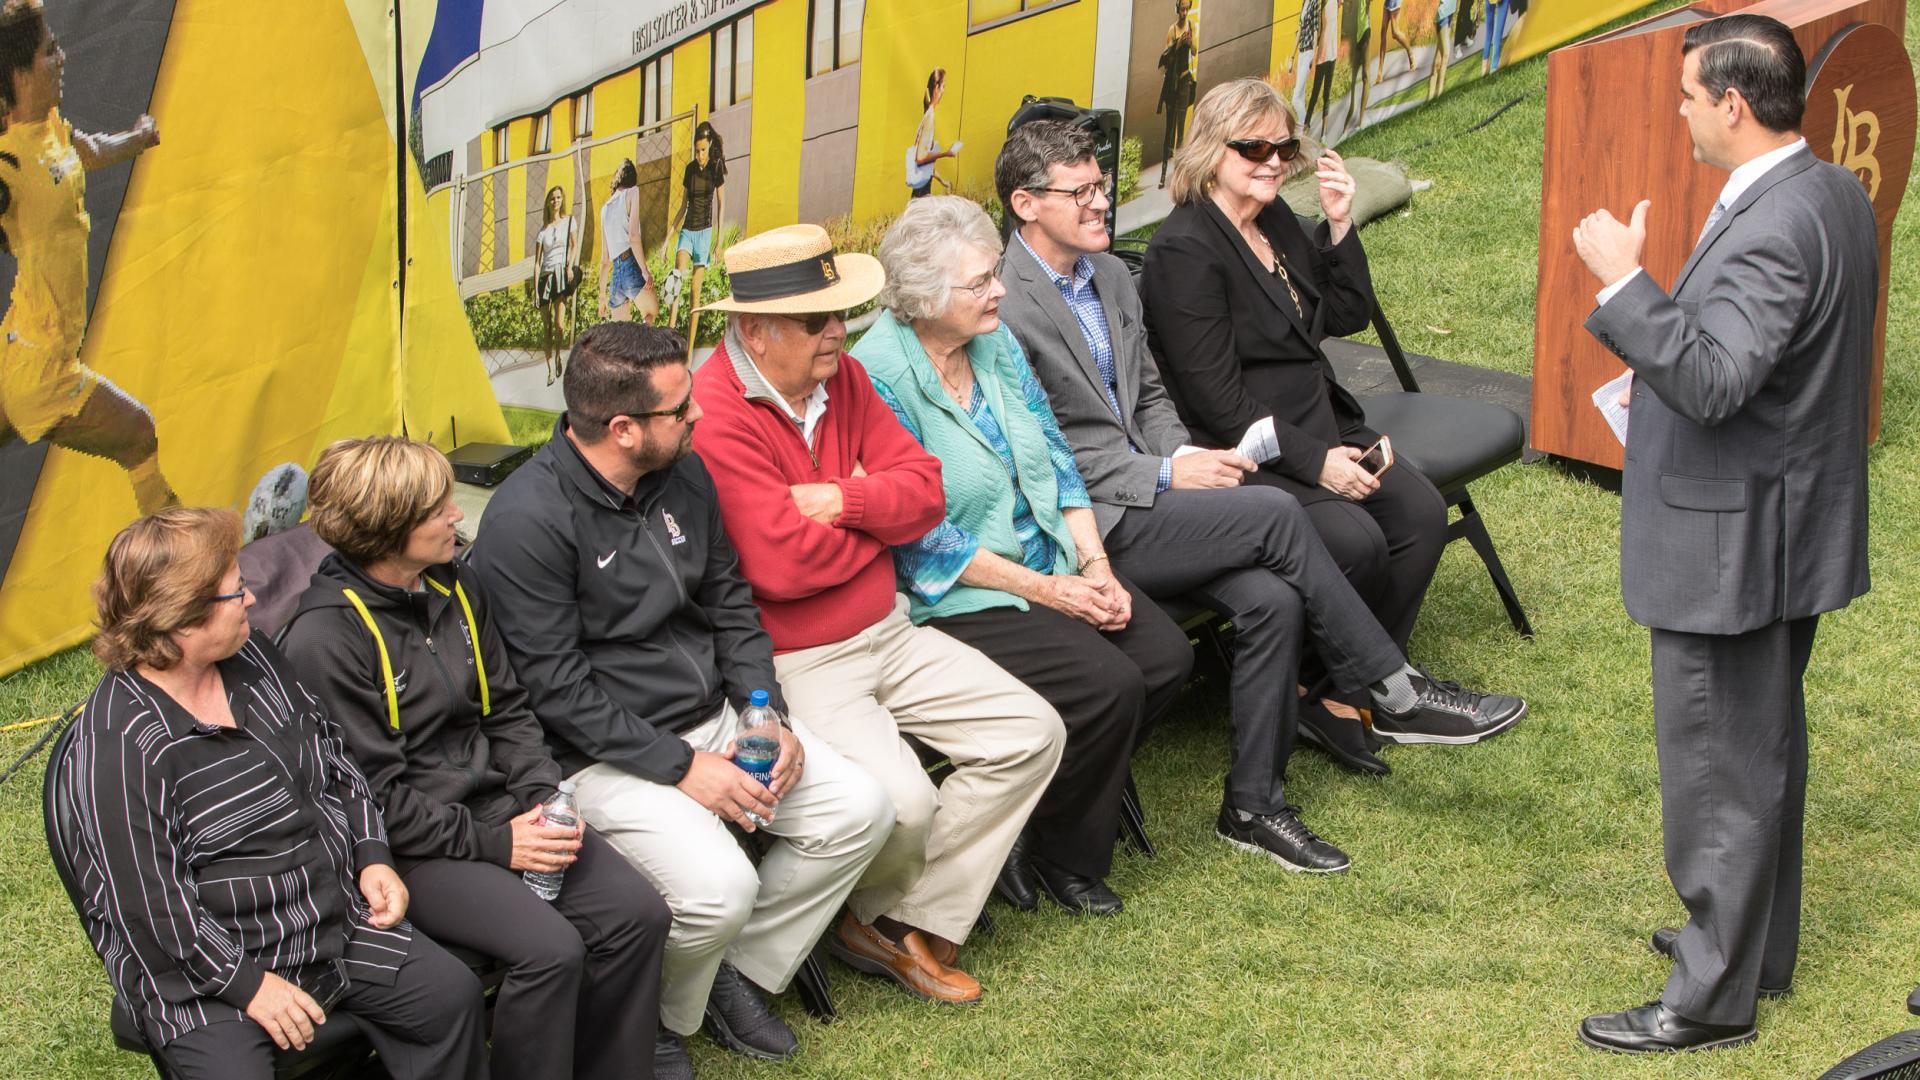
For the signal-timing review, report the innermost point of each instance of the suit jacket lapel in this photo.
(1269, 284)
(1027, 274)
(1794, 165)
(1124, 378)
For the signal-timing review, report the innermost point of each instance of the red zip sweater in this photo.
(815, 583)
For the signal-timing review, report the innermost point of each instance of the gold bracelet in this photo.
(1084, 563)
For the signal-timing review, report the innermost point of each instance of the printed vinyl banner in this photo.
(238, 230)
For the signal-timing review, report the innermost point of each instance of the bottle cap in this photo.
(757, 700)
(566, 787)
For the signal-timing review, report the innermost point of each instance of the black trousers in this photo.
(1730, 725)
(582, 992)
(430, 1023)
(1106, 688)
(1251, 554)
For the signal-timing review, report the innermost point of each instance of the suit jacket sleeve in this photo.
(1707, 359)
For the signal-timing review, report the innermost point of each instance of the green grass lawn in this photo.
(1498, 893)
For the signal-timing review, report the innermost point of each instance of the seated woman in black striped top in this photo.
(233, 864)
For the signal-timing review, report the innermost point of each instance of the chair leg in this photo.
(984, 925)
(1133, 823)
(1475, 530)
(816, 992)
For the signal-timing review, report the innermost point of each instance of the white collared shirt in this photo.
(1737, 184)
(816, 402)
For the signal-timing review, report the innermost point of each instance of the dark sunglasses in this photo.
(816, 322)
(678, 412)
(1259, 151)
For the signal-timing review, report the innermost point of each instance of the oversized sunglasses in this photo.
(817, 321)
(1259, 151)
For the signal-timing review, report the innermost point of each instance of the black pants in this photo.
(582, 992)
(430, 1023)
(1322, 84)
(1251, 554)
(1106, 687)
(1387, 544)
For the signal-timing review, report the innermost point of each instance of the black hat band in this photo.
(811, 274)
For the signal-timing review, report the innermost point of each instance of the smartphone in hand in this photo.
(1378, 458)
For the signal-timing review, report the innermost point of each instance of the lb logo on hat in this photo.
(793, 270)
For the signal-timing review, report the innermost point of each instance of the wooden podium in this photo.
(1614, 135)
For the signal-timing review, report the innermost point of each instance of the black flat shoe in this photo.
(1655, 1029)
(1079, 895)
(1015, 884)
(1343, 740)
(1663, 940)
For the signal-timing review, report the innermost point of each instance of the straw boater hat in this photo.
(793, 270)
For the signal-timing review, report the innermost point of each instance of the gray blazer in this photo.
(1744, 499)
(1034, 310)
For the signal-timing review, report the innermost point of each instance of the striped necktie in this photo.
(1712, 219)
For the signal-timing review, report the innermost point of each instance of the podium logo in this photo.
(1856, 135)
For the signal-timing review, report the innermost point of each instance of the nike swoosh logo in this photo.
(609, 558)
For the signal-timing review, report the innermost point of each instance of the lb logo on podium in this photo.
(1860, 111)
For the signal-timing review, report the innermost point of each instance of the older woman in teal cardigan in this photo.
(1016, 569)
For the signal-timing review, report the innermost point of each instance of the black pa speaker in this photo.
(1103, 124)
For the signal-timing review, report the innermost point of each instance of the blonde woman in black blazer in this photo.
(1238, 295)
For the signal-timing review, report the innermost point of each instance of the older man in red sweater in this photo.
(817, 481)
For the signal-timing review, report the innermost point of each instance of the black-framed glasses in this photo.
(1259, 151)
(1082, 195)
(980, 286)
(815, 322)
(221, 598)
(678, 412)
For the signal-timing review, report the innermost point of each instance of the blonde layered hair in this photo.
(369, 494)
(161, 574)
(1232, 110)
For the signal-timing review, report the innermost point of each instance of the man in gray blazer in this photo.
(1178, 524)
(1743, 513)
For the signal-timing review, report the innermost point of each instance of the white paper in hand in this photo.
(1259, 443)
(1607, 400)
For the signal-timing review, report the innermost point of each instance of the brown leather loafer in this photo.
(863, 948)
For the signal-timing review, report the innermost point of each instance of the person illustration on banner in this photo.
(1442, 46)
(556, 254)
(624, 285)
(45, 391)
(925, 152)
(1305, 42)
(1326, 54)
(1497, 12)
(1390, 24)
(1176, 82)
(703, 186)
(1356, 30)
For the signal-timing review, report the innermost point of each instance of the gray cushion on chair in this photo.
(1453, 441)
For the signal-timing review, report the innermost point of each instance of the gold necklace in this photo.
(953, 386)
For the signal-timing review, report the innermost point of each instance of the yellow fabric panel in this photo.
(240, 301)
(441, 371)
(1049, 54)
(779, 61)
(905, 41)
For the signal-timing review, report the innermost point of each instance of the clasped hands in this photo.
(715, 782)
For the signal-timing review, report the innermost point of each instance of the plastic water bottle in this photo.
(558, 811)
(756, 743)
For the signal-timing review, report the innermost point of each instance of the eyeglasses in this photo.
(678, 412)
(980, 286)
(816, 322)
(1082, 195)
(1259, 151)
(221, 598)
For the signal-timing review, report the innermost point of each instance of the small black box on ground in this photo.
(486, 464)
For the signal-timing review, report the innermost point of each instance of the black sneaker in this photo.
(1447, 713)
(1283, 837)
(740, 1021)
(670, 1060)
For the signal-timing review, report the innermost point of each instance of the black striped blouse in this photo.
(211, 855)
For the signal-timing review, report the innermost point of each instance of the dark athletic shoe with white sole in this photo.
(1282, 837)
(1448, 714)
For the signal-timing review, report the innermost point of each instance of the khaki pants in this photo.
(763, 919)
(1004, 740)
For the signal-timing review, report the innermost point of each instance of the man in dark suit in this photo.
(1178, 523)
(1743, 512)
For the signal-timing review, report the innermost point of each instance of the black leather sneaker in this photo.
(1282, 837)
(1447, 713)
(739, 1020)
(670, 1060)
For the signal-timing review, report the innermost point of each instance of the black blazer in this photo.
(1233, 349)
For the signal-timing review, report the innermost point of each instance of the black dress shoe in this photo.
(1913, 1001)
(1653, 1029)
(1282, 837)
(1663, 941)
(739, 1019)
(1079, 895)
(670, 1060)
(1015, 884)
(1343, 740)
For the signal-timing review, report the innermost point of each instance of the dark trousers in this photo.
(1387, 544)
(1251, 554)
(582, 991)
(430, 1023)
(1106, 687)
(1730, 724)
(1322, 84)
